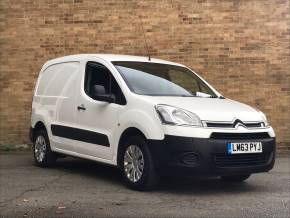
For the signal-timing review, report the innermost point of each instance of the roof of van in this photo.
(108, 57)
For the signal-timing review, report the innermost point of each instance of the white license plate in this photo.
(245, 147)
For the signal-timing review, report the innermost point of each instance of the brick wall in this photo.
(240, 47)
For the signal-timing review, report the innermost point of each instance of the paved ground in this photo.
(78, 188)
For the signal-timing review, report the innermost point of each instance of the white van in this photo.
(147, 116)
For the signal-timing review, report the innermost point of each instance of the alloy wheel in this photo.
(40, 148)
(133, 163)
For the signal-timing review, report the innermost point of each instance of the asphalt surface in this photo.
(78, 188)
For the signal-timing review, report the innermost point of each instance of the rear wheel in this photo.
(43, 156)
(236, 178)
(137, 165)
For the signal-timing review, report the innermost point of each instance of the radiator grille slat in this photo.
(232, 125)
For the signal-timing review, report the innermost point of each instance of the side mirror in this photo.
(99, 93)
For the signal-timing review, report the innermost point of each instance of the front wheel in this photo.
(236, 178)
(43, 156)
(137, 165)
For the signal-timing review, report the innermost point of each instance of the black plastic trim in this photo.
(240, 136)
(80, 135)
(167, 155)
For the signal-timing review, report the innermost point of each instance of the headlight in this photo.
(264, 118)
(177, 116)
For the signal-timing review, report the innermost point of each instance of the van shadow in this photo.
(173, 185)
(89, 169)
(204, 186)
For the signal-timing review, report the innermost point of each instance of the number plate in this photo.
(245, 147)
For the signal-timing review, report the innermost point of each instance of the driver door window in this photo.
(98, 74)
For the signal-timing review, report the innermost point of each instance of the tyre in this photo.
(236, 178)
(43, 156)
(137, 165)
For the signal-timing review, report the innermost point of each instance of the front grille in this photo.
(241, 136)
(240, 160)
(254, 125)
(219, 125)
(232, 125)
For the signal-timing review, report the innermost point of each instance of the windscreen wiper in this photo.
(220, 97)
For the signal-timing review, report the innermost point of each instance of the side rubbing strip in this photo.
(80, 135)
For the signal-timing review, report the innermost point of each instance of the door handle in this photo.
(81, 107)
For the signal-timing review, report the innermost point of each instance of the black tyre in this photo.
(137, 165)
(43, 156)
(236, 178)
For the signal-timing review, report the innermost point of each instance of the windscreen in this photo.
(156, 79)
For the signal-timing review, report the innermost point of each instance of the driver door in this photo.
(97, 120)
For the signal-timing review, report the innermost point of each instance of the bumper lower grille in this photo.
(240, 160)
(241, 136)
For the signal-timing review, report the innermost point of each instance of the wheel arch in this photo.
(38, 126)
(130, 131)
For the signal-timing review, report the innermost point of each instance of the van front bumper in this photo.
(185, 156)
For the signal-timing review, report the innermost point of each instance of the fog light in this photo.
(189, 158)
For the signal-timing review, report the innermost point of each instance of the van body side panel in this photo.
(54, 100)
(144, 118)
